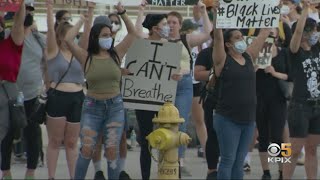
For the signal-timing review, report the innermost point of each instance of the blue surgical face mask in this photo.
(240, 46)
(164, 32)
(314, 38)
(105, 43)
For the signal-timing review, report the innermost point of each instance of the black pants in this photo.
(31, 135)
(144, 119)
(212, 145)
(271, 118)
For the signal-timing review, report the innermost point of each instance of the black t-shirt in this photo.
(305, 66)
(267, 85)
(205, 58)
(238, 90)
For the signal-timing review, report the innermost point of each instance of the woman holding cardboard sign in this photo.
(236, 106)
(103, 109)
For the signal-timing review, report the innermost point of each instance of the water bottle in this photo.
(133, 137)
(20, 99)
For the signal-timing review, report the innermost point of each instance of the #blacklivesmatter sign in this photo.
(10, 5)
(265, 55)
(152, 64)
(248, 14)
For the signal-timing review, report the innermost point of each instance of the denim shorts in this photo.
(106, 116)
(303, 119)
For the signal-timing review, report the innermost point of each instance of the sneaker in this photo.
(99, 176)
(185, 172)
(124, 176)
(301, 159)
(212, 175)
(246, 167)
(266, 177)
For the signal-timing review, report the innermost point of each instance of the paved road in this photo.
(196, 165)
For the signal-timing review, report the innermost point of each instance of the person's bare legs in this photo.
(70, 141)
(198, 119)
(296, 146)
(311, 161)
(55, 129)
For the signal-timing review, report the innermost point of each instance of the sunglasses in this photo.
(115, 22)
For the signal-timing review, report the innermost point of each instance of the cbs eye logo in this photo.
(274, 150)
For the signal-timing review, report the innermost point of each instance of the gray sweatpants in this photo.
(4, 111)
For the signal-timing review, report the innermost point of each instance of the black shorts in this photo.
(197, 89)
(303, 119)
(65, 104)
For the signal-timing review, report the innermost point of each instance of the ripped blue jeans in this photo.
(105, 116)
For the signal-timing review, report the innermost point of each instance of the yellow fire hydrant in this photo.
(167, 138)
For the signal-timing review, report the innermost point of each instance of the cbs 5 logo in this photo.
(275, 150)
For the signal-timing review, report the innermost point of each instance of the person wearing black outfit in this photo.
(202, 72)
(304, 109)
(271, 103)
(235, 113)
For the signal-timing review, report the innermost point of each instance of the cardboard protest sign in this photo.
(150, 2)
(114, 2)
(10, 5)
(265, 55)
(172, 2)
(152, 65)
(248, 14)
(79, 3)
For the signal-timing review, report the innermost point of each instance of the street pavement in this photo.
(196, 165)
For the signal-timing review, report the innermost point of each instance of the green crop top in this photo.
(103, 76)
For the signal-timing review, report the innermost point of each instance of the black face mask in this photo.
(28, 21)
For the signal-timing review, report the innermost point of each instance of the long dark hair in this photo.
(227, 34)
(59, 16)
(94, 47)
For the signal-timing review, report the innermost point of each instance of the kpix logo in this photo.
(274, 151)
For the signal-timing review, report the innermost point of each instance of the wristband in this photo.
(122, 13)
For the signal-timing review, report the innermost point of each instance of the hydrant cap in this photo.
(168, 113)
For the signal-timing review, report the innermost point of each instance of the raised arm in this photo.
(17, 32)
(124, 45)
(84, 39)
(80, 53)
(52, 46)
(297, 35)
(198, 39)
(219, 54)
(258, 43)
(139, 21)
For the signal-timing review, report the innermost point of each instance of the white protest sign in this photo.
(115, 2)
(265, 55)
(152, 65)
(248, 14)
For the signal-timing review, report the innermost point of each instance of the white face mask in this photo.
(105, 43)
(285, 10)
(115, 27)
(164, 32)
(240, 46)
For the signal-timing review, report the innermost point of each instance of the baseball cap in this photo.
(152, 20)
(295, 1)
(187, 24)
(102, 20)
